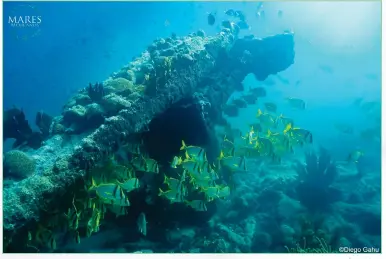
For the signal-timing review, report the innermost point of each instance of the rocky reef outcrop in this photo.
(195, 74)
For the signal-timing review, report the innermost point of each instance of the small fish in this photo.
(233, 163)
(73, 217)
(110, 193)
(197, 205)
(271, 107)
(139, 163)
(228, 147)
(247, 151)
(231, 26)
(285, 121)
(77, 237)
(344, 128)
(298, 135)
(133, 148)
(240, 103)
(207, 172)
(326, 69)
(145, 164)
(52, 242)
(250, 136)
(193, 167)
(94, 222)
(230, 12)
(256, 127)
(195, 153)
(224, 192)
(124, 172)
(141, 223)
(258, 91)
(355, 156)
(117, 210)
(171, 195)
(267, 120)
(296, 103)
(173, 184)
(264, 146)
(283, 79)
(202, 182)
(231, 110)
(129, 185)
(29, 236)
(239, 14)
(281, 144)
(249, 99)
(166, 23)
(152, 166)
(261, 14)
(211, 19)
(176, 161)
(211, 193)
(280, 13)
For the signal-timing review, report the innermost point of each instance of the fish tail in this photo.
(160, 192)
(287, 128)
(259, 112)
(183, 145)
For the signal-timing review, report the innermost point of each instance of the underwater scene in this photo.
(192, 127)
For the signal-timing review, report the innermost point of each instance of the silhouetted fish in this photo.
(211, 19)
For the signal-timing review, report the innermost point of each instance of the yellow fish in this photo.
(296, 103)
(196, 153)
(355, 156)
(197, 205)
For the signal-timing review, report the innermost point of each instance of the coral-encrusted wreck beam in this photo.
(170, 70)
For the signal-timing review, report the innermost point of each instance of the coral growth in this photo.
(18, 164)
(315, 179)
(96, 92)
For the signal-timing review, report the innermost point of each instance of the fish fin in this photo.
(287, 128)
(187, 155)
(183, 145)
(259, 112)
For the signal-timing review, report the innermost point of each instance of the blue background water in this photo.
(85, 42)
(80, 43)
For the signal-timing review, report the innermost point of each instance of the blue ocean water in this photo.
(336, 71)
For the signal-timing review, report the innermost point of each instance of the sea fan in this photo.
(315, 179)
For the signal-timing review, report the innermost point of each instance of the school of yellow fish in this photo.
(198, 181)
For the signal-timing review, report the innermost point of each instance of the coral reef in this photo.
(17, 127)
(18, 164)
(193, 75)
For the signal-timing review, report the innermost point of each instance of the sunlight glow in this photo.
(338, 24)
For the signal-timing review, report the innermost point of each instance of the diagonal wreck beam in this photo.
(206, 69)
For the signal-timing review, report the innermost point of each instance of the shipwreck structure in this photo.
(175, 89)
